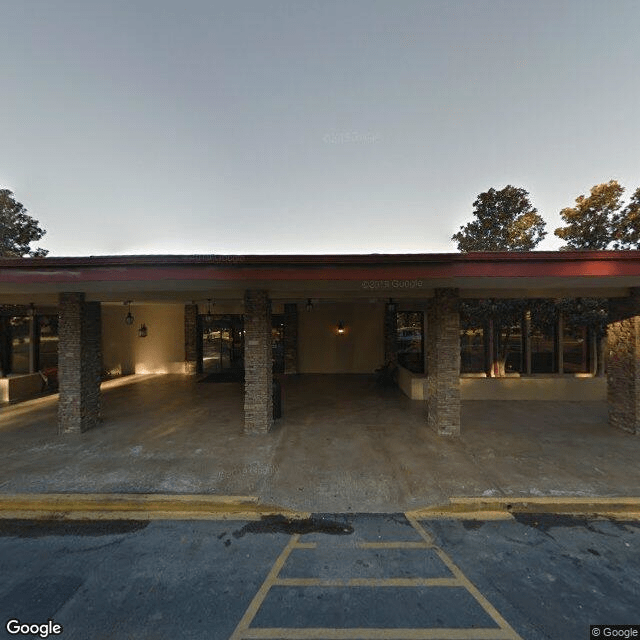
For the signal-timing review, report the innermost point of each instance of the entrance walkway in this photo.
(342, 445)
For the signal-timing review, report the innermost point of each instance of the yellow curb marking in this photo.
(504, 507)
(138, 507)
(463, 515)
(635, 500)
(106, 500)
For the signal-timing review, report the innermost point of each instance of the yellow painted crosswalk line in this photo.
(469, 586)
(244, 631)
(394, 545)
(369, 582)
(256, 603)
(376, 634)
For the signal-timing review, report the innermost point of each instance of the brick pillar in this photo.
(291, 338)
(258, 362)
(390, 331)
(443, 361)
(191, 360)
(623, 362)
(79, 363)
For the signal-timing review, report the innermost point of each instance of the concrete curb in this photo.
(96, 506)
(470, 508)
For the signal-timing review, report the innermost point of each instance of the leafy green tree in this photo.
(626, 224)
(591, 223)
(17, 229)
(505, 220)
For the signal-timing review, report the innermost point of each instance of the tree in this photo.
(591, 223)
(626, 224)
(505, 221)
(17, 229)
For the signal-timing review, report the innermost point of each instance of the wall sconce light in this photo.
(309, 306)
(209, 315)
(340, 328)
(392, 307)
(129, 317)
(32, 310)
(142, 331)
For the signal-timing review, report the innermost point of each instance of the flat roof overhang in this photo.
(290, 277)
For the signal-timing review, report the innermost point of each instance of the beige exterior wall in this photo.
(535, 388)
(359, 350)
(412, 384)
(162, 351)
(568, 388)
(20, 387)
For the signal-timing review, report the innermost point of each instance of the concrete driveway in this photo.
(342, 445)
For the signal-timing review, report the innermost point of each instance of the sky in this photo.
(348, 126)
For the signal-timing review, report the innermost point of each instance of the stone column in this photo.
(390, 332)
(258, 364)
(291, 338)
(79, 363)
(191, 359)
(443, 361)
(623, 362)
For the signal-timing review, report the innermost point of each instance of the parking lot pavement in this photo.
(382, 577)
(552, 575)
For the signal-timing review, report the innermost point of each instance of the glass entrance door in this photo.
(222, 344)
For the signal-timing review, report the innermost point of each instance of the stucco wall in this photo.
(543, 388)
(359, 350)
(412, 384)
(162, 351)
(20, 387)
(570, 388)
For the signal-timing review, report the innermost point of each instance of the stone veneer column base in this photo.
(258, 363)
(443, 362)
(79, 363)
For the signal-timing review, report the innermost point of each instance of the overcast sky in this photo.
(133, 126)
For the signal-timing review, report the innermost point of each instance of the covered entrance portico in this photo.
(342, 445)
(336, 317)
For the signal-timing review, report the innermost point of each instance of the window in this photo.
(576, 354)
(410, 343)
(509, 351)
(543, 338)
(523, 337)
(472, 350)
(48, 344)
(20, 344)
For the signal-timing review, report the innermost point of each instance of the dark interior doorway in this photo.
(221, 346)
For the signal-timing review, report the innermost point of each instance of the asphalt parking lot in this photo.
(330, 576)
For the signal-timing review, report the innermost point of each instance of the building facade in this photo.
(438, 320)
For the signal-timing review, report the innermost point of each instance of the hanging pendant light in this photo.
(129, 317)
